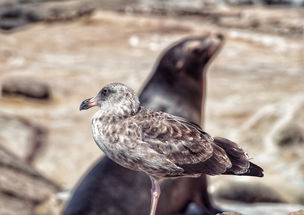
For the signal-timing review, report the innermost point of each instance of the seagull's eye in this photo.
(105, 92)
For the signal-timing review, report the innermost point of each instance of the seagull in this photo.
(159, 144)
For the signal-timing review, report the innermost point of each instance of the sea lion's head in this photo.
(190, 56)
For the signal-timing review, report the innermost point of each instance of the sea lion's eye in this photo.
(197, 51)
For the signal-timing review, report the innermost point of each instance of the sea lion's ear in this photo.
(197, 51)
(179, 64)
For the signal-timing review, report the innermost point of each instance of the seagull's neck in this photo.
(114, 113)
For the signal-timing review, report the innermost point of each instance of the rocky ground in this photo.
(255, 92)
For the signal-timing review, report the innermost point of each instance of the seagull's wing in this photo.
(183, 143)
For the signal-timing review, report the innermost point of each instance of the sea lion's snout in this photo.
(210, 44)
(216, 41)
(219, 36)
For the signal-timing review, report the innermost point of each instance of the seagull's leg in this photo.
(155, 193)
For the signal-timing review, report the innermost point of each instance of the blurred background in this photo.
(55, 53)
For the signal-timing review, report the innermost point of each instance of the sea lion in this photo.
(177, 86)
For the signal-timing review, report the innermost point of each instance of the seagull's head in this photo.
(115, 96)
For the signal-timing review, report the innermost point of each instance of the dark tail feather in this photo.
(254, 170)
(238, 158)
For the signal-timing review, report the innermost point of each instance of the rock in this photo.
(290, 135)
(20, 135)
(26, 87)
(247, 192)
(9, 205)
(229, 213)
(300, 212)
(260, 208)
(53, 205)
(15, 14)
(21, 187)
(276, 133)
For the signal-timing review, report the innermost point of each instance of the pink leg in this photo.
(155, 193)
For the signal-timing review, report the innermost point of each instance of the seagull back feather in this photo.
(187, 146)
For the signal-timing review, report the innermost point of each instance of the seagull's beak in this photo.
(88, 103)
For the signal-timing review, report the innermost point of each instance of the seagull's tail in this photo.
(238, 158)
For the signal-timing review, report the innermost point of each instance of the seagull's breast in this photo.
(117, 139)
(98, 135)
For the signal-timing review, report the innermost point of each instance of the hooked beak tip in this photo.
(86, 104)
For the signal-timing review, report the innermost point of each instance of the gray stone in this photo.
(15, 14)
(248, 193)
(300, 212)
(261, 208)
(229, 213)
(25, 87)
(290, 135)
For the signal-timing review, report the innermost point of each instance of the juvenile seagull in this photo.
(160, 144)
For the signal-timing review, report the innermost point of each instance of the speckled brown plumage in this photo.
(160, 144)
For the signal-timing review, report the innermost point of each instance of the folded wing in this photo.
(187, 146)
